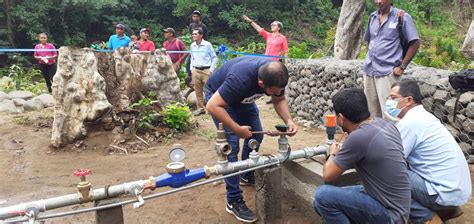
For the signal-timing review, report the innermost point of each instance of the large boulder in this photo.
(20, 94)
(33, 105)
(46, 99)
(79, 95)
(8, 106)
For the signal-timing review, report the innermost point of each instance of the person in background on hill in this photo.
(46, 59)
(277, 44)
(119, 39)
(144, 44)
(174, 44)
(384, 62)
(203, 63)
(133, 44)
(196, 23)
(438, 172)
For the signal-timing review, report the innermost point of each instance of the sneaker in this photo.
(241, 211)
(250, 181)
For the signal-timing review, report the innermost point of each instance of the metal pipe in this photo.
(130, 187)
(68, 200)
(152, 196)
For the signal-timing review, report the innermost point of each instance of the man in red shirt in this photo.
(144, 44)
(174, 44)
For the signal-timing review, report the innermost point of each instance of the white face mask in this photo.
(391, 107)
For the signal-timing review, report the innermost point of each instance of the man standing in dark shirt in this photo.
(374, 148)
(230, 94)
(197, 23)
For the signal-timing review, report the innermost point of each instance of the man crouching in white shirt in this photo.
(438, 171)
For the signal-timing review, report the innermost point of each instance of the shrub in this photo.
(22, 79)
(148, 114)
(177, 116)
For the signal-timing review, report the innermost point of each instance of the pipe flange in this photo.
(175, 167)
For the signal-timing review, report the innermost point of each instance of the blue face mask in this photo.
(391, 108)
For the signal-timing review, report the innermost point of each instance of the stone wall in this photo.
(313, 83)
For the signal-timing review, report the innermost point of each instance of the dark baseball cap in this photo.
(170, 30)
(196, 12)
(121, 26)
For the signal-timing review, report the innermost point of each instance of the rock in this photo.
(450, 105)
(4, 96)
(454, 132)
(21, 95)
(46, 99)
(466, 98)
(468, 125)
(8, 106)
(428, 104)
(19, 102)
(470, 110)
(32, 105)
(192, 100)
(440, 96)
(465, 147)
(427, 90)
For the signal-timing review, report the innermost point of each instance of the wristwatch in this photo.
(403, 67)
(329, 155)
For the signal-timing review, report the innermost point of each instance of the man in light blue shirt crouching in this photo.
(438, 171)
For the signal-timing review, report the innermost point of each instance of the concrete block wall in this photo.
(313, 83)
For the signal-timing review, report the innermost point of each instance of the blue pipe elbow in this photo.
(176, 180)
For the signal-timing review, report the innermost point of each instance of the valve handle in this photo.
(281, 127)
(82, 172)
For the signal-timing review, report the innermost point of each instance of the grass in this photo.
(23, 120)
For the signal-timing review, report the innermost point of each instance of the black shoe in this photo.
(250, 181)
(241, 211)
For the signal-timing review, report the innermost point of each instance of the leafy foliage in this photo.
(177, 116)
(19, 78)
(149, 115)
(308, 24)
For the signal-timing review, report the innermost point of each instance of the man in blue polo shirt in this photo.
(119, 39)
(385, 62)
(231, 92)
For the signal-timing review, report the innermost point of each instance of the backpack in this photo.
(462, 82)
(403, 42)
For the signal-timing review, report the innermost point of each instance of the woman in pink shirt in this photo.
(277, 44)
(144, 44)
(46, 59)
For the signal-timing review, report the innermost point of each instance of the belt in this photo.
(202, 68)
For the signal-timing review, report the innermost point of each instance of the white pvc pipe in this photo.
(128, 188)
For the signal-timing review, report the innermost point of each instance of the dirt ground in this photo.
(31, 170)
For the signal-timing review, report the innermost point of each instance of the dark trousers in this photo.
(244, 114)
(48, 72)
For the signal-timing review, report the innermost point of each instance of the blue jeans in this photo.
(423, 205)
(349, 204)
(243, 114)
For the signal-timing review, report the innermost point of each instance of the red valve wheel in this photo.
(82, 172)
